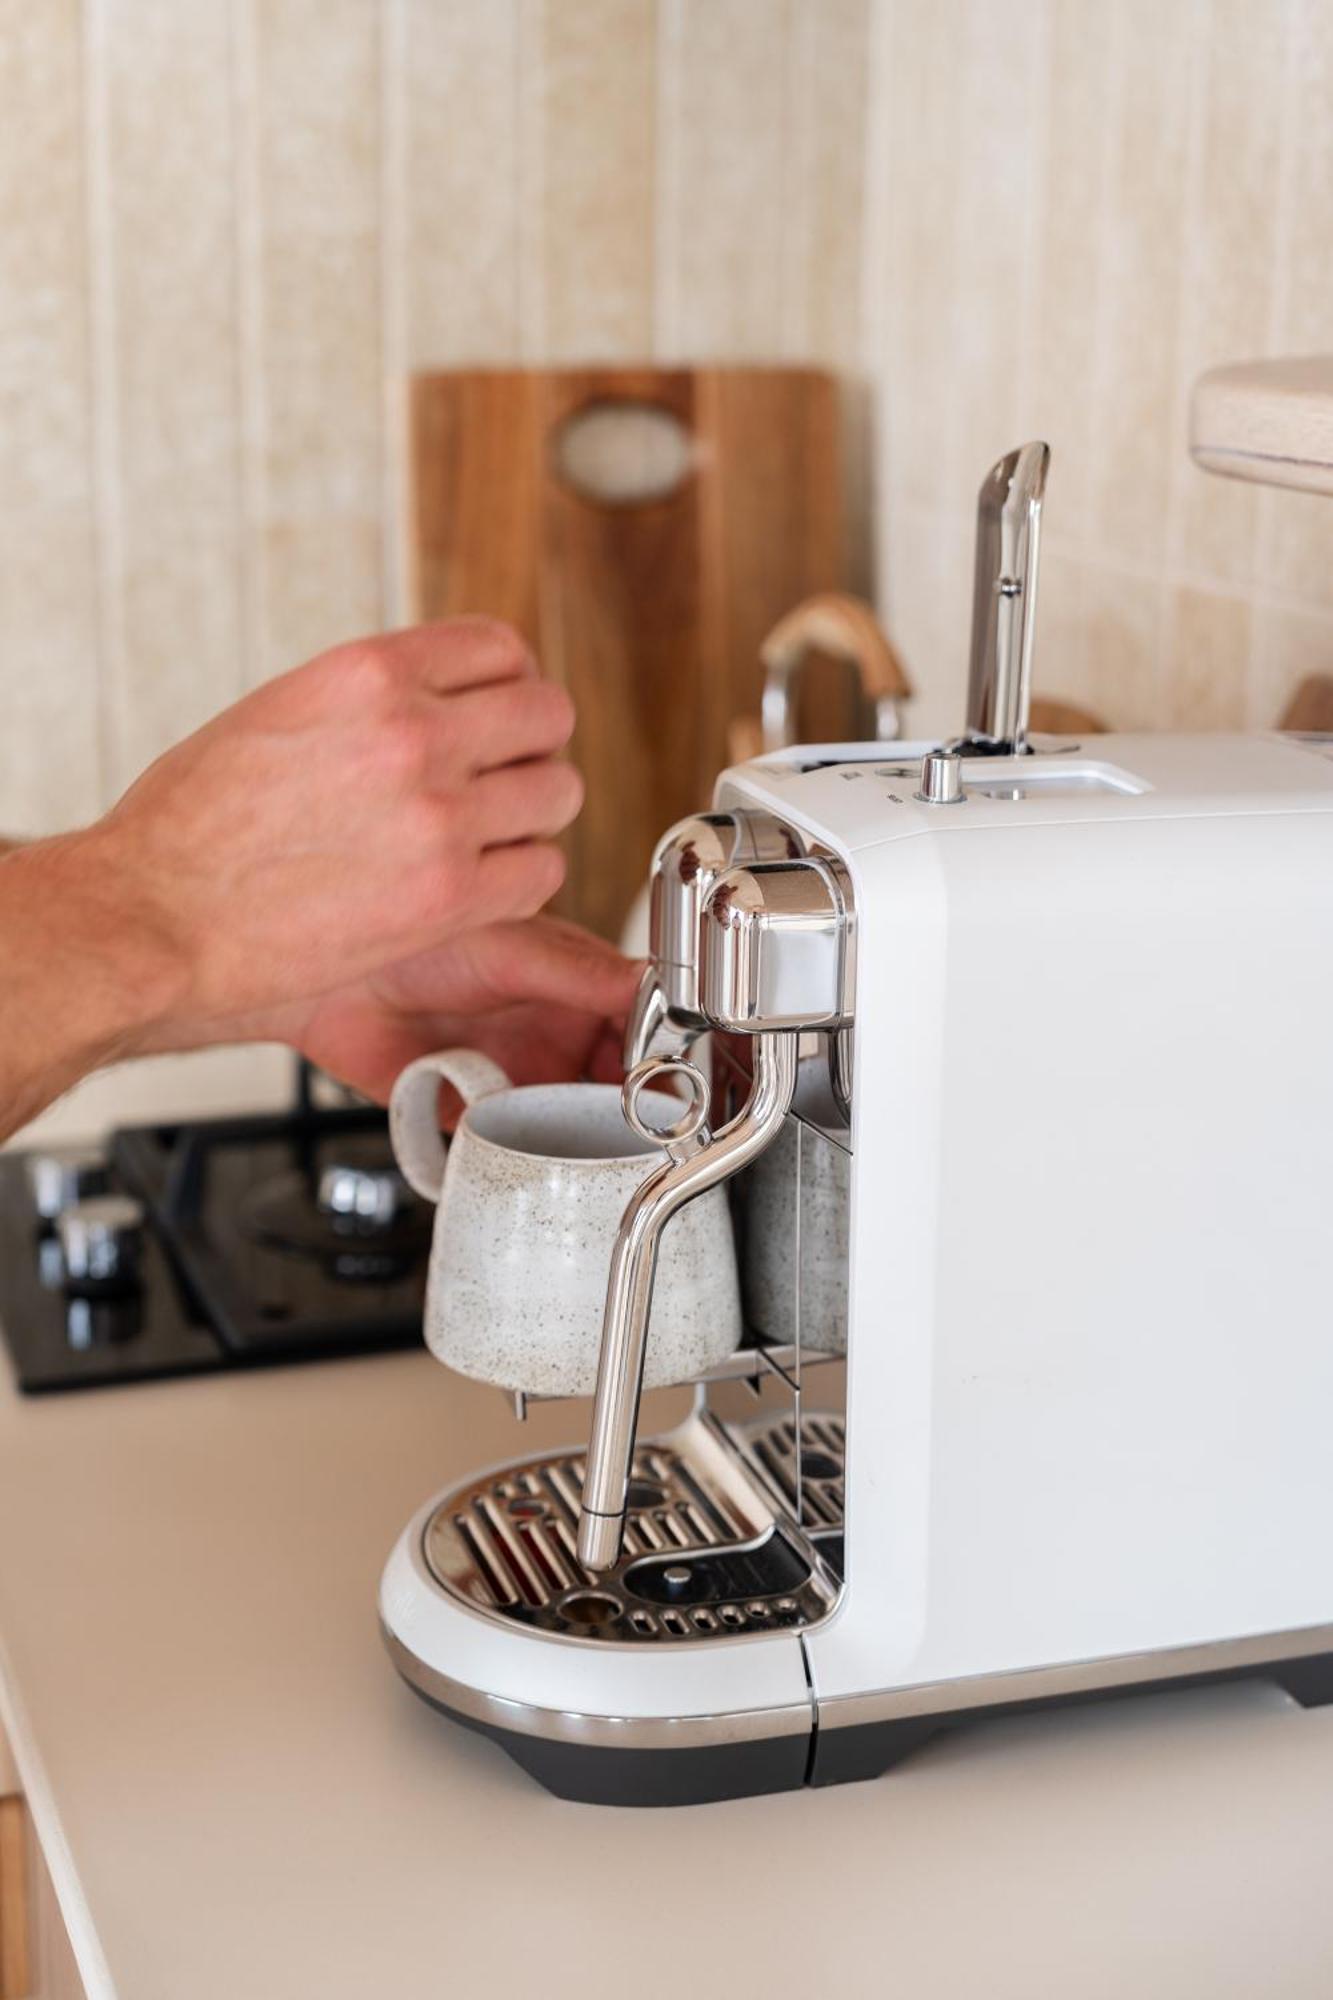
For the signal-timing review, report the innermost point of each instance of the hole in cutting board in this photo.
(623, 453)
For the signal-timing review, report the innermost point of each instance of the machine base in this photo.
(869, 1749)
(700, 1775)
(704, 1774)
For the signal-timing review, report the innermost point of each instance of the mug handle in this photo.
(414, 1120)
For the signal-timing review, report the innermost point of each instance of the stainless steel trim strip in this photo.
(1105, 1675)
(608, 1732)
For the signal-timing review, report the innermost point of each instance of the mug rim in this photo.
(645, 1151)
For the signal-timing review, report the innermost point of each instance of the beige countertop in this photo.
(238, 1798)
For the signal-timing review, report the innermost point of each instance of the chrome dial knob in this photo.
(60, 1179)
(941, 779)
(101, 1242)
(363, 1198)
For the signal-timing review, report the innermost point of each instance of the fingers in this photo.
(552, 960)
(515, 881)
(457, 653)
(523, 802)
(485, 727)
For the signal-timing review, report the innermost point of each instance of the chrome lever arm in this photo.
(694, 1165)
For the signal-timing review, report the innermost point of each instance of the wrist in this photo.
(91, 975)
(136, 965)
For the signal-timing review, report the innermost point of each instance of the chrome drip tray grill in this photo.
(712, 1545)
(810, 1481)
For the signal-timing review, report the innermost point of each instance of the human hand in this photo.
(545, 999)
(347, 816)
(353, 815)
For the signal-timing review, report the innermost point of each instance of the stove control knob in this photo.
(101, 1241)
(59, 1179)
(941, 779)
(362, 1197)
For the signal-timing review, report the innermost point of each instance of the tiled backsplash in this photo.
(1072, 209)
(225, 226)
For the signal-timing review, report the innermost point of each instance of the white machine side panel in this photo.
(1091, 1374)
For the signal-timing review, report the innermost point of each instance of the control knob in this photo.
(101, 1242)
(60, 1179)
(941, 779)
(361, 1198)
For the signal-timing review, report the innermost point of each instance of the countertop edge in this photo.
(40, 1800)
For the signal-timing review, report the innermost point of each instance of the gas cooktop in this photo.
(220, 1243)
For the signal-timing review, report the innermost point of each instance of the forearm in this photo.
(84, 977)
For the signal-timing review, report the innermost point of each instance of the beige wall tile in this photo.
(598, 142)
(1297, 545)
(331, 572)
(50, 774)
(1297, 541)
(722, 187)
(823, 262)
(459, 103)
(1059, 655)
(826, 118)
(49, 746)
(316, 490)
(1071, 222)
(179, 603)
(1206, 661)
(1229, 250)
(43, 307)
(927, 604)
(1289, 644)
(170, 373)
(1139, 301)
(998, 63)
(1120, 612)
(914, 90)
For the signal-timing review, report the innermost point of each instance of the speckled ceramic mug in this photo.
(530, 1192)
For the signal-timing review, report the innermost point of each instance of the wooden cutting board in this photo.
(644, 528)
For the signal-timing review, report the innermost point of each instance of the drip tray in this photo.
(721, 1538)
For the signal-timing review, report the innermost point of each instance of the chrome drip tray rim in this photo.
(715, 1548)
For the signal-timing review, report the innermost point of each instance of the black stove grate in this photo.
(228, 1280)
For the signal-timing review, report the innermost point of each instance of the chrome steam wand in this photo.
(768, 959)
(1004, 603)
(696, 1161)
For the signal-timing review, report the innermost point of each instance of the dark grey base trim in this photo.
(868, 1749)
(693, 1775)
(778, 1752)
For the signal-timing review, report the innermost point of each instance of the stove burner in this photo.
(220, 1243)
(359, 1218)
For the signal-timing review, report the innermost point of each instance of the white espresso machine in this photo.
(1022, 1086)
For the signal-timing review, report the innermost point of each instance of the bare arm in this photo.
(323, 864)
(84, 980)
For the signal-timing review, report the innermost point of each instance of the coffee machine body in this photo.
(1089, 1148)
(1092, 1143)
(1030, 1038)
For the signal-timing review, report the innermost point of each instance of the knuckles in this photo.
(491, 638)
(366, 674)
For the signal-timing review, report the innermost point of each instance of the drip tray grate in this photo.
(712, 1546)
